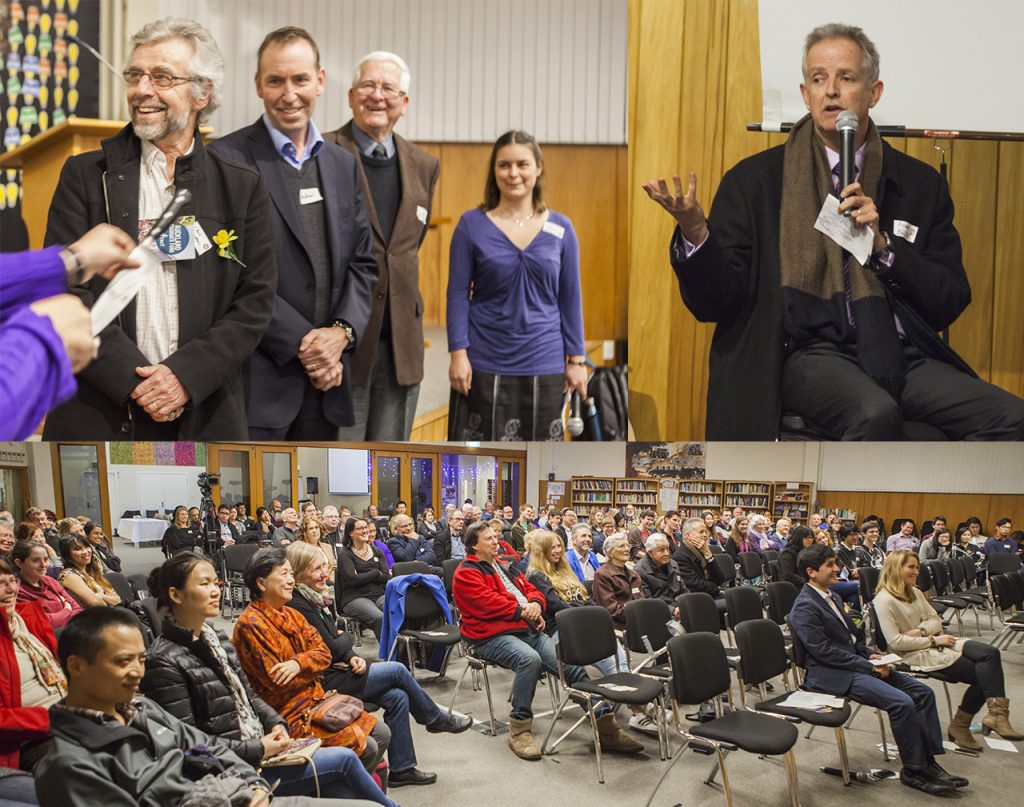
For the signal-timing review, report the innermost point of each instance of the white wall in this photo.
(313, 462)
(566, 460)
(774, 462)
(40, 476)
(150, 487)
(479, 67)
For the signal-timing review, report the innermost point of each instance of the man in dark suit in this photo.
(696, 562)
(838, 662)
(170, 364)
(227, 532)
(850, 347)
(298, 386)
(398, 181)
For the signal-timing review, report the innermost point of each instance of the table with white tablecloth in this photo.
(142, 530)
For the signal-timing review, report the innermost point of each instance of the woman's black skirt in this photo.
(508, 408)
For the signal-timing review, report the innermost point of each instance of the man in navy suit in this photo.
(297, 383)
(838, 662)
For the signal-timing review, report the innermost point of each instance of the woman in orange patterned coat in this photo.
(284, 657)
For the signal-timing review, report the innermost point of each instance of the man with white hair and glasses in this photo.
(398, 185)
(169, 366)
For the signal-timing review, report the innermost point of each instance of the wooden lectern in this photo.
(41, 160)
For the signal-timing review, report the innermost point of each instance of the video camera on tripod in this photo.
(210, 527)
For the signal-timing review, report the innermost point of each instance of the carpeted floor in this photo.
(475, 769)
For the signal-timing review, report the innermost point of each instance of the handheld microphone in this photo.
(181, 198)
(592, 420)
(575, 423)
(847, 124)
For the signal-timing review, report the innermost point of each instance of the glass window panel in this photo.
(389, 484)
(12, 492)
(422, 472)
(509, 493)
(467, 476)
(277, 478)
(80, 482)
(234, 478)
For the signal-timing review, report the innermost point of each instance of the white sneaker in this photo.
(643, 724)
(651, 710)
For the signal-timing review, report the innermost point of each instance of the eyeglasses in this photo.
(160, 80)
(389, 91)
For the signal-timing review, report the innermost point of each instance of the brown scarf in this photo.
(814, 295)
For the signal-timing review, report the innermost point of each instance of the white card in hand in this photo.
(891, 658)
(858, 241)
(125, 286)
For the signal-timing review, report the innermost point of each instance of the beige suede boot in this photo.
(998, 719)
(613, 738)
(959, 731)
(520, 740)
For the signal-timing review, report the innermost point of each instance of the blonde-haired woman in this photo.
(310, 531)
(913, 630)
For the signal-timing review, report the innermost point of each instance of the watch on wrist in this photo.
(349, 332)
(878, 259)
(576, 363)
(73, 268)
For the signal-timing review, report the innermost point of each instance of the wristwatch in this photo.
(879, 260)
(932, 642)
(349, 332)
(73, 268)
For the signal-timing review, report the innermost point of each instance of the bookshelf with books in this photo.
(748, 495)
(792, 500)
(641, 493)
(590, 492)
(696, 496)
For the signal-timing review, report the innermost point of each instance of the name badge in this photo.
(421, 214)
(904, 230)
(636, 590)
(181, 241)
(308, 196)
(557, 230)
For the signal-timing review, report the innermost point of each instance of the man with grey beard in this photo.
(170, 365)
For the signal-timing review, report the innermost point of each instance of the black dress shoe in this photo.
(452, 724)
(412, 776)
(940, 774)
(919, 780)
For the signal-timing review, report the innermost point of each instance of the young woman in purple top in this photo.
(516, 263)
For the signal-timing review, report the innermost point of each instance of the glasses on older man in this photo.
(159, 79)
(388, 90)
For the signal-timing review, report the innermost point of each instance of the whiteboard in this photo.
(347, 470)
(945, 65)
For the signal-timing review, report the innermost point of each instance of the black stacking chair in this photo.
(699, 613)
(867, 576)
(725, 563)
(647, 633)
(1002, 563)
(139, 584)
(700, 672)
(763, 656)
(1011, 620)
(958, 588)
(742, 603)
(122, 587)
(800, 660)
(586, 635)
(421, 607)
(943, 599)
(449, 567)
(236, 558)
(404, 567)
(767, 557)
(751, 568)
(781, 597)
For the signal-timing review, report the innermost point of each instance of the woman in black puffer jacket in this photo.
(800, 538)
(193, 672)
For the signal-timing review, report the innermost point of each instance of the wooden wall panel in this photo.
(956, 507)
(694, 85)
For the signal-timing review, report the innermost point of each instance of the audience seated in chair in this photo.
(192, 671)
(838, 662)
(503, 617)
(913, 630)
(30, 560)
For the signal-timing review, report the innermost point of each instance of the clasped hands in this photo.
(533, 615)
(689, 214)
(320, 354)
(161, 395)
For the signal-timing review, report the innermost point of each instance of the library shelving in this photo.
(792, 500)
(748, 495)
(590, 492)
(696, 496)
(641, 493)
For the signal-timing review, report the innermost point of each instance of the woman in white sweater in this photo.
(913, 630)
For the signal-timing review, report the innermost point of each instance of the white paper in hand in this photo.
(858, 241)
(125, 286)
(890, 658)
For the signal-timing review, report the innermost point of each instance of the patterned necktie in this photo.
(846, 256)
(379, 152)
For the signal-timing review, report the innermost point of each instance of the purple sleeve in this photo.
(570, 301)
(460, 276)
(29, 276)
(35, 373)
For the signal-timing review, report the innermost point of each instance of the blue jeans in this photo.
(849, 592)
(526, 654)
(912, 713)
(339, 771)
(391, 685)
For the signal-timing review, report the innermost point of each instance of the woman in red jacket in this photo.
(30, 681)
